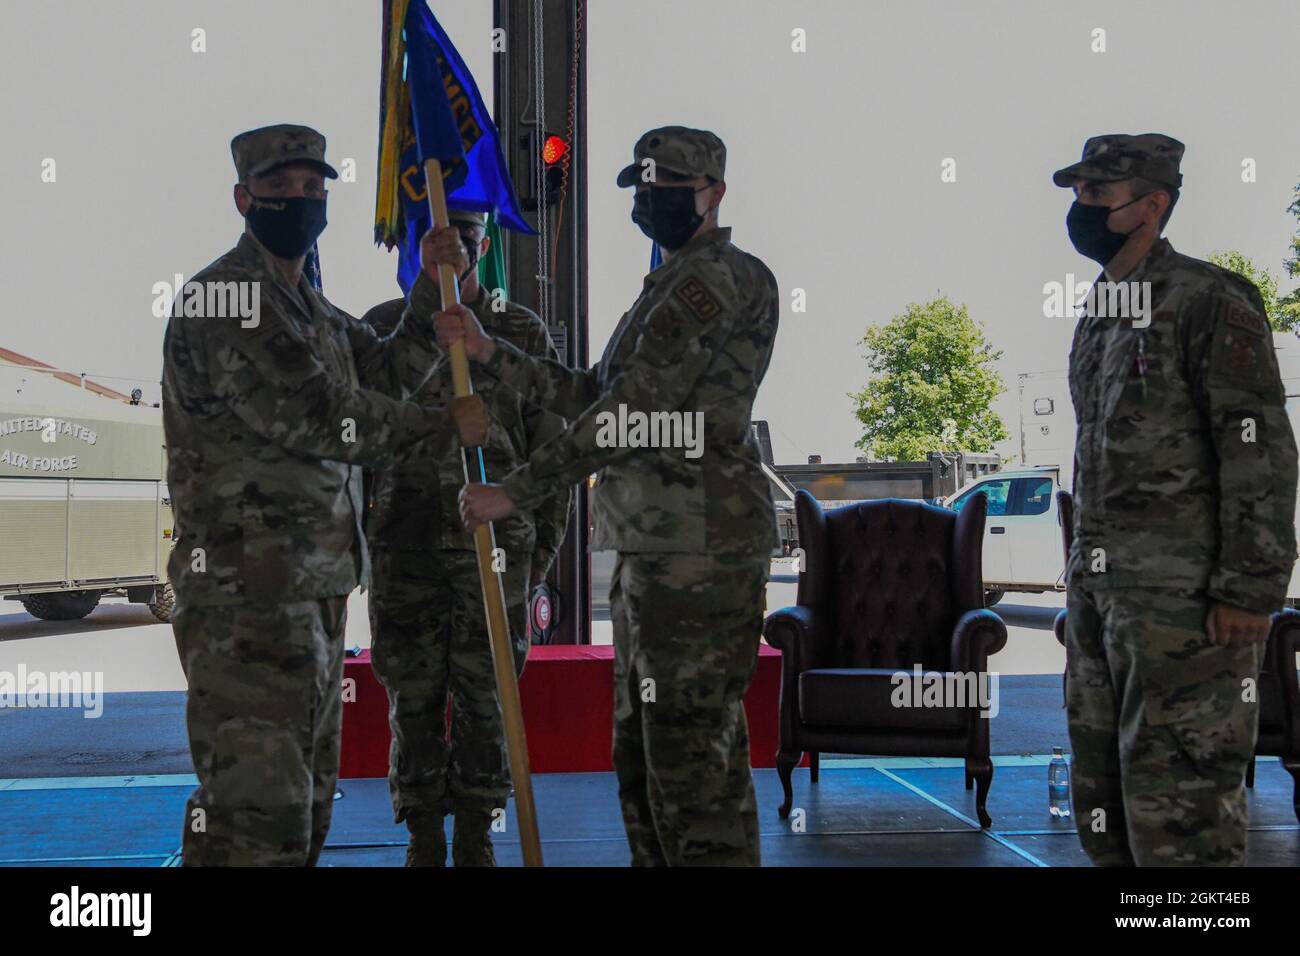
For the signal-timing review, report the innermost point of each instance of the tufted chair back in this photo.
(889, 578)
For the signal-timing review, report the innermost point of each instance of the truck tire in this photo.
(61, 605)
(992, 597)
(163, 603)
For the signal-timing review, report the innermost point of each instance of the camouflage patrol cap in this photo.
(260, 150)
(472, 216)
(687, 152)
(1117, 156)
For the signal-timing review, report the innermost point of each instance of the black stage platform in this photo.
(884, 812)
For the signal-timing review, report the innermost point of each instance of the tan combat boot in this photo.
(428, 844)
(471, 844)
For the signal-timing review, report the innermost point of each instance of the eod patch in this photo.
(698, 298)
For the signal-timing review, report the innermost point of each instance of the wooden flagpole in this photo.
(494, 600)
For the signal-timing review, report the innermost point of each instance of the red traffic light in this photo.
(554, 150)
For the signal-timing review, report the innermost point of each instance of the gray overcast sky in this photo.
(833, 166)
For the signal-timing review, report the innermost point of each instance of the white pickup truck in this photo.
(1022, 536)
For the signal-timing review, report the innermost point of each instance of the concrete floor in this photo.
(133, 652)
(143, 733)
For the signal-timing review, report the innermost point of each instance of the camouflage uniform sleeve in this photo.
(1238, 388)
(674, 348)
(400, 362)
(274, 380)
(551, 517)
(544, 381)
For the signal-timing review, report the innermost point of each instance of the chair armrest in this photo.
(792, 631)
(1283, 643)
(975, 636)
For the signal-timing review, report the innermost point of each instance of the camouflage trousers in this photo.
(686, 634)
(429, 644)
(1159, 728)
(264, 713)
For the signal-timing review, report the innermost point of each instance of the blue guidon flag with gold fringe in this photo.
(430, 107)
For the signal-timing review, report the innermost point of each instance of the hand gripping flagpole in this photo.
(494, 600)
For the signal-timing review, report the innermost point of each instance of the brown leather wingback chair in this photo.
(1279, 684)
(1065, 516)
(886, 586)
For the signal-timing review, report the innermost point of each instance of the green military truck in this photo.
(83, 506)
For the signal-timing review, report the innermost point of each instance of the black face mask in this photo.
(667, 214)
(287, 226)
(1091, 236)
(471, 251)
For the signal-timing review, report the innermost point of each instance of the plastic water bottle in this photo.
(1058, 784)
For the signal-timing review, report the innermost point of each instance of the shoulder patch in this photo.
(1242, 356)
(698, 298)
(1240, 316)
(1241, 353)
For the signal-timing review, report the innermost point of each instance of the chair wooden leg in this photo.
(981, 769)
(1250, 773)
(786, 761)
(814, 765)
(1292, 766)
(970, 781)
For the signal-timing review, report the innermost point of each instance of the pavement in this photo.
(136, 722)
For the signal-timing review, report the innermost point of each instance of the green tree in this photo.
(1291, 303)
(931, 387)
(1283, 317)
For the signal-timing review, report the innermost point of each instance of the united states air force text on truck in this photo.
(83, 500)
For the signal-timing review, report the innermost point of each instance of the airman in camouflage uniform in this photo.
(267, 421)
(694, 535)
(1185, 483)
(429, 632)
